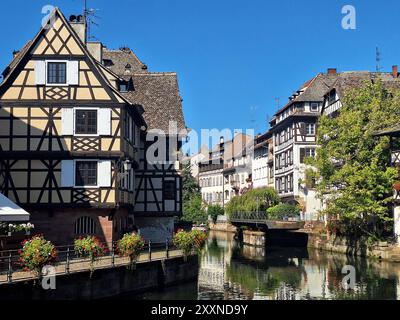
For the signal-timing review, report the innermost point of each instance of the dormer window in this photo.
(56, 73)
(123, 86)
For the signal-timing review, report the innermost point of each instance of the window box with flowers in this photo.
(18, 228)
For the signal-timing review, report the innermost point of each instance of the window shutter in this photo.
(67, 120)
(73, 73)
(104, 122)
(104, 173)
(67, 173)
(40, 72)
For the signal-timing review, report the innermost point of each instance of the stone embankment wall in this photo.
(107, 283)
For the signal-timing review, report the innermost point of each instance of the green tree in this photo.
(190, 186)
(193, 207)
(194, 210)
(214, 211)
(354, 177)
(256, 200)
(283, 210)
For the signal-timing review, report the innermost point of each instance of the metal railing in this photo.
(256, 217)
(68, 261)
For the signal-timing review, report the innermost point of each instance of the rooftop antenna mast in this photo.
(378, 60)
(89, 16)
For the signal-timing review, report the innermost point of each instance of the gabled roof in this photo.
(312, 90)
(158, 93)
(19, 57)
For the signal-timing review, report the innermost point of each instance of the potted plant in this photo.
(130, 246)
(89, 247)
(37, 253)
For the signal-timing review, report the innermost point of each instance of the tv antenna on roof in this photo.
(89, 15)
(378, 60)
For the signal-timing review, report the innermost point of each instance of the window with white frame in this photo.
(86, 121)
(314, 106)
(310, 129)
(57, 72)
(86, 173)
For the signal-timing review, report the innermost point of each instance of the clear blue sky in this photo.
(233, 58)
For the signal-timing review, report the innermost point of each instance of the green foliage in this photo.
(283, 210)
(194, 210)
(214, 211)
(190, 187)
(130, 246)
(189, 241)
(37, 253)
(89, 247)
(353, 164)
(256, 200)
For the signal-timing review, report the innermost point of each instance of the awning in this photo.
(10, 212)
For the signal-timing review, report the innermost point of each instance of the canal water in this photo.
(230, 271)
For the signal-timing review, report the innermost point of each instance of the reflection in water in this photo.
(230, 271)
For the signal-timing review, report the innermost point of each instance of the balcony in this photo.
(284, 145)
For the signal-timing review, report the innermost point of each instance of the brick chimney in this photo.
(332, 71)
(395, 71)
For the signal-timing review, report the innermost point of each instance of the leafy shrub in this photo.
(214, 211)
(37, 253)
(256, 200)
(194, 210)
(89, 247)
(283, 210)
(188, 241)
(130, 246)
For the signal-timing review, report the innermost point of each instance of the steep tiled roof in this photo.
(355, 79)
(121, 60)
(158, 93)
(317, 88)
(312, 90)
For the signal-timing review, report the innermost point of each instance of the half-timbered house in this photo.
(294, 129)
(72, 141)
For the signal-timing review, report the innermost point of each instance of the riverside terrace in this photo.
(68, 261)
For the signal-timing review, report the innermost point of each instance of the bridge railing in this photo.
(257, 216)
(248, 216)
